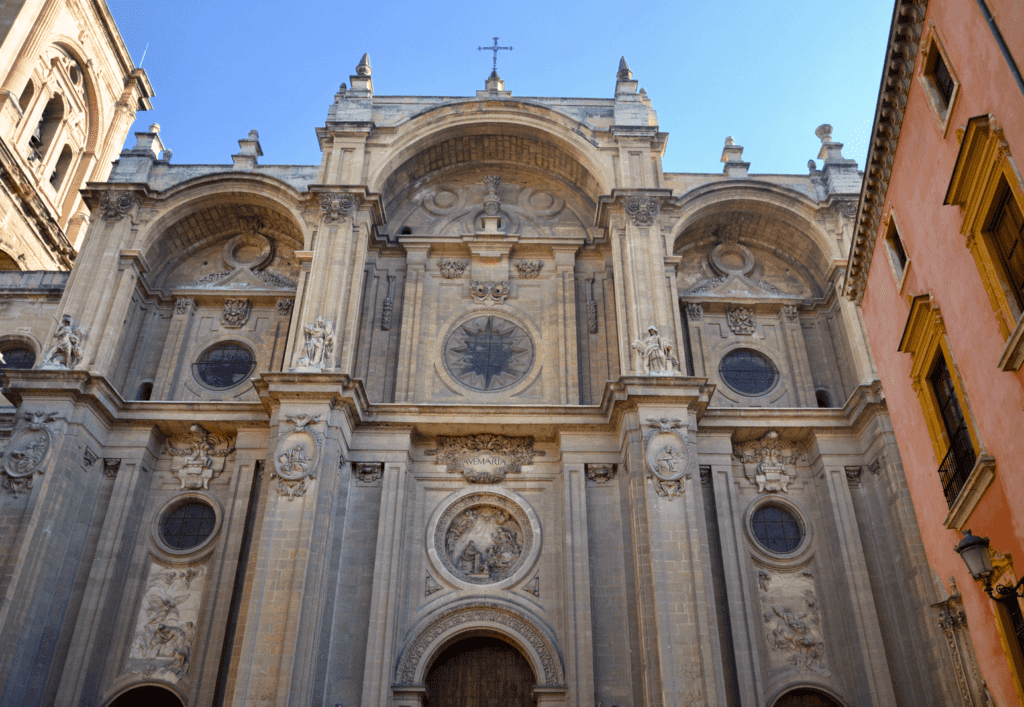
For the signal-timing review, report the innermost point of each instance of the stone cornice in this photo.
(900, 58)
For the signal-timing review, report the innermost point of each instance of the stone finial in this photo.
(254, 135)
(155, 128)
(732, 156)
(494, 83)
(248, 150)
(812, 166)
(831, 151)
(364, 69)
(729, 142)
(624, 73)
(824, 132)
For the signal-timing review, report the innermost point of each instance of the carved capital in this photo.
(115, 204)
(741, 320)
(184, 305)
(452, 269)
(642, 210)
(111, 467)
(694, 312)
(368, 474)
(236, 313)
(600, 474)
(336, 207)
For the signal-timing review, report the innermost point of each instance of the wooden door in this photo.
(480, 672)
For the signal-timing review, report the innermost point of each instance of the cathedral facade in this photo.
(484, 409)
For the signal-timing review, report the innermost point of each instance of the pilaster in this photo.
(579, 657)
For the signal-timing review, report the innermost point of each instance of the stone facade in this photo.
(504, 377)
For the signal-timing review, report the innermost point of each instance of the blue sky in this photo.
(766, 73)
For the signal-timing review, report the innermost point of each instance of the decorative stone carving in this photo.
(203, 456)
(67, 352)
(166, 626)
(533, 586)
(642, 210)
(297, 455)
(336, 207)
(667, 456)
(769, 455)
(481, 613)
(284, 307)
(488, 293)
(27, 450)
(486, 458)
(369, 474)
(389, 305)
(452, 269)
(492, 203)
(792, 622)
(483, 538)
(184, 305)
(655, 355)
(705, 286)
(431, 586)
(488, 353)
(705, 475)
(318, 347)
(950, 616)
(791, 312)
(741, 320)
(529, 269)
(236, 312)
(853, 475)
(88, 459)
(694, 312)
(591, 307)
(111, 467)
(600, 474)
(115, 204)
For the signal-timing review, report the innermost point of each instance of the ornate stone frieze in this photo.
(452, 269)
(705, 286)
(68, 351)
(591, 307)
(667, 456)
(236, 313)
(642, 210)
(336, 207)
(792, 621)
(202, 456)
(791, 312)
(389, 306)
(694, 312)
(769, 457)
(115, 204)
(165, 630)
(431, 586)
(533, 586)
(184, 305)
(600, 474)
(529, 269)
(297, 455)
(111, 467)
(319, 346)
(26, 452)
(741, 320)
(368, 474)
(488, 292)
(656, 357)
(486, 458)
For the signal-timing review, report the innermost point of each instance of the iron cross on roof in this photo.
(494, 49)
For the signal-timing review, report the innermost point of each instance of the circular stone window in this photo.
(224, 365)
(187, 525)
(776, 529)
(20, 357)
(483, 538)
(488, 353)
(748, 372)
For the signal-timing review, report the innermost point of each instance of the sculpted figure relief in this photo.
(319, 344)
(203, 454)
(67, 352)
(484, 542)
(655, 353)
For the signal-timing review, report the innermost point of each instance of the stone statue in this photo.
(656, 354)
(319, 343)
(67, 352)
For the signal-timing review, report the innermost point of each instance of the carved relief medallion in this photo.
(485, 459)
(26, 452)
(483, 538)
(667, 456)
(488, 353)
(297, 455)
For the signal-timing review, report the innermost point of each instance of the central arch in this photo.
(479, 671)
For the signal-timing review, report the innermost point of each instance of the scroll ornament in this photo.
(297, 456)
(667, 457)
(27, 451)
(203, 456)
(337, 207)
(486, 458)
(114, 205)
(488, 293)
(642, 210)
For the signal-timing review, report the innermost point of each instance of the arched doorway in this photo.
(807, 697)
(147, 696)
(480, 671)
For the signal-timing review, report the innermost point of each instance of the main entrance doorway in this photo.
(480, 672)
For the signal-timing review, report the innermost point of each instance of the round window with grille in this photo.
(188, 524)
(16, 356)
(776, 529)
(224, 365)
(748, 372)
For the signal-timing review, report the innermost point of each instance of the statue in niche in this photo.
(319, 343)
(655, 353)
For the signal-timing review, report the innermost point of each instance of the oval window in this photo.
(224, 365)
(776, 529)
(187, 525)
(748, 372)
(18, 357)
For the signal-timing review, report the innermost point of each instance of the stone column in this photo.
(579, 658)
(565, 284)
(412, 301)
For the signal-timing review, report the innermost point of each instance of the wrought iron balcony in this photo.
(956, 466)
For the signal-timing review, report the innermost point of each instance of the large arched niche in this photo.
(70, 48)
(186, 241)
(439, 630)
(771, 219)
(147, 696)
(806, 696)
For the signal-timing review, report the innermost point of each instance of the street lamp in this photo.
(974, 552)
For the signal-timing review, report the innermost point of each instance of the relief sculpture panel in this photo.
(792, 621)
(165, 629)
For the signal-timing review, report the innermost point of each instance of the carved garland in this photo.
(479, 614)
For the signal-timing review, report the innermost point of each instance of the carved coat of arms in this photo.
(485, 459)
(769, 456)
(202, 454)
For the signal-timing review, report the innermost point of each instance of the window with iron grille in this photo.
(956, 466)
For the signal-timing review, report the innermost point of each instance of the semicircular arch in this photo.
(73, 49)
(439, 630)
(811, 694)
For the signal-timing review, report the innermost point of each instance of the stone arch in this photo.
(206, 209)
(806, 695)
(512, 624)
(150, 695)
(8, 262)
(509, 131)
(73, 50)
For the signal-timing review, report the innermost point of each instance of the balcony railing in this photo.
(956, 466)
